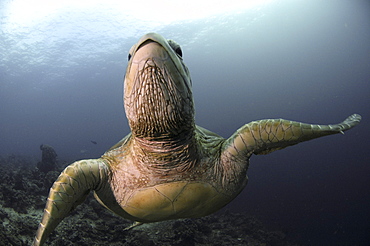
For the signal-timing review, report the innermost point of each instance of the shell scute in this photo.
(174, 200)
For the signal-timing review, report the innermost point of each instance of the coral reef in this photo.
(23, 192)
(48, 159)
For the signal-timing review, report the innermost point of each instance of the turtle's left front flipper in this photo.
(68, 191)
(265, 136)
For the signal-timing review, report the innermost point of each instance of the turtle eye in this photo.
(176, 47)
(178, 51)
(129, 56)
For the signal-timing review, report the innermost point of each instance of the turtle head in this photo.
(157, 89)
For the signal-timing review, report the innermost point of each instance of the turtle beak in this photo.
(157, 87)
(153, 47)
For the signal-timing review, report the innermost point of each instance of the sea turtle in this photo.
(168, 167)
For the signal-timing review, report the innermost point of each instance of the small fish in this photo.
(93, 142)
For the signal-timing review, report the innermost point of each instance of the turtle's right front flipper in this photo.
(68, 191)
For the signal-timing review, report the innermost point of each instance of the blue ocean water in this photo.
(61, 74)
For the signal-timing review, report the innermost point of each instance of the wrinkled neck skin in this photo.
(159, 102)
(157, 109)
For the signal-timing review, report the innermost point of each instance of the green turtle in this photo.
(168, 167)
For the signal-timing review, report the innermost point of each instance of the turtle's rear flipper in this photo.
(68, 191)
(135, 224)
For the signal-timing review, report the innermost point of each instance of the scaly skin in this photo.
(68, 191)
(265, 136)
(167, 167)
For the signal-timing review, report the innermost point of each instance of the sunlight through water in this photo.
(26, 13)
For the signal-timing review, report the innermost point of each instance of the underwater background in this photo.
(61, 80)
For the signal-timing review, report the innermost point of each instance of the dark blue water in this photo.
(61, 79)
